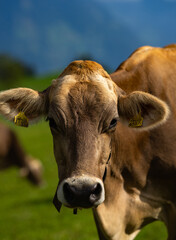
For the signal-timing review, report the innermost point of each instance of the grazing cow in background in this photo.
(12, 154)
(114, 139)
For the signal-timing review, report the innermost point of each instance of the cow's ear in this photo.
(23, 100)
(142, 110)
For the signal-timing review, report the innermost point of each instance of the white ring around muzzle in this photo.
(80, 181)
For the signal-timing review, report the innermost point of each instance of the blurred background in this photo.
(39, 38)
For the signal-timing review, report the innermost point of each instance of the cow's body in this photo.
(13, 155)
(147, 190)
(83, 107)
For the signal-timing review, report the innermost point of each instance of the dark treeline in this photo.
(12, 69)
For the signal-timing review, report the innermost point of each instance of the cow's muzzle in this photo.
(81, 192)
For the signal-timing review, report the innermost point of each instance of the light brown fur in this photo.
(82, 103)
(84, 70)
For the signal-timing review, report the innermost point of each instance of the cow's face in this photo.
(83, 107)
(82, 117)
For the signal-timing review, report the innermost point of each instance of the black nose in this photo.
(84, 195)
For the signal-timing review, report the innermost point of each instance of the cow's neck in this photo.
(131, 155)
(120, 215)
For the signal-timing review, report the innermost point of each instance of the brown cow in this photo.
(12, 154)
(114, 141)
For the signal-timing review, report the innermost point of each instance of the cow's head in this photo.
(83, 107)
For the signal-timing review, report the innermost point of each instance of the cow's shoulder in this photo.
(173, 45)
(136, 58)
(128, 75)
(146, 55)
(146, 69)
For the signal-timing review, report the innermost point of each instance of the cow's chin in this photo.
(81, 205)
(81, 192)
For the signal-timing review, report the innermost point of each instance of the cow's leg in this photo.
(172, 229)
(170, 220)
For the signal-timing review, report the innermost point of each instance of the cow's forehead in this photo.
(81, 73)
(84, 69)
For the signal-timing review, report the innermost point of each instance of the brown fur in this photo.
(152, 71)
(81, 104)
(12, 154)
(84, 69)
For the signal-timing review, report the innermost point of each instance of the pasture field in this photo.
(27, 212)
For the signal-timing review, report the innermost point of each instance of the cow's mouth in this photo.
(79, 192)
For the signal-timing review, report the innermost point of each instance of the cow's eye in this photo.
(52, 123)
(113, 123)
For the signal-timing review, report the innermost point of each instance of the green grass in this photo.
(27, 212)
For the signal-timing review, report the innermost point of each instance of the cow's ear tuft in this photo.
(30, 102)
(142, 110)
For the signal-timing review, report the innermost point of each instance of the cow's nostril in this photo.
(95, 195)
(97, 189)
(82, 194)
(68, 191)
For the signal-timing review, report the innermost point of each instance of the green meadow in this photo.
(27, 212)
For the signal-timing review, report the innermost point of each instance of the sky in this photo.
(153, 21)
(48, 34)
(125, 1)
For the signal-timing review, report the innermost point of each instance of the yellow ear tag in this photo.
(21, 120)
(136, 121)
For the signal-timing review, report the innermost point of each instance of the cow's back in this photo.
(11, 152)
